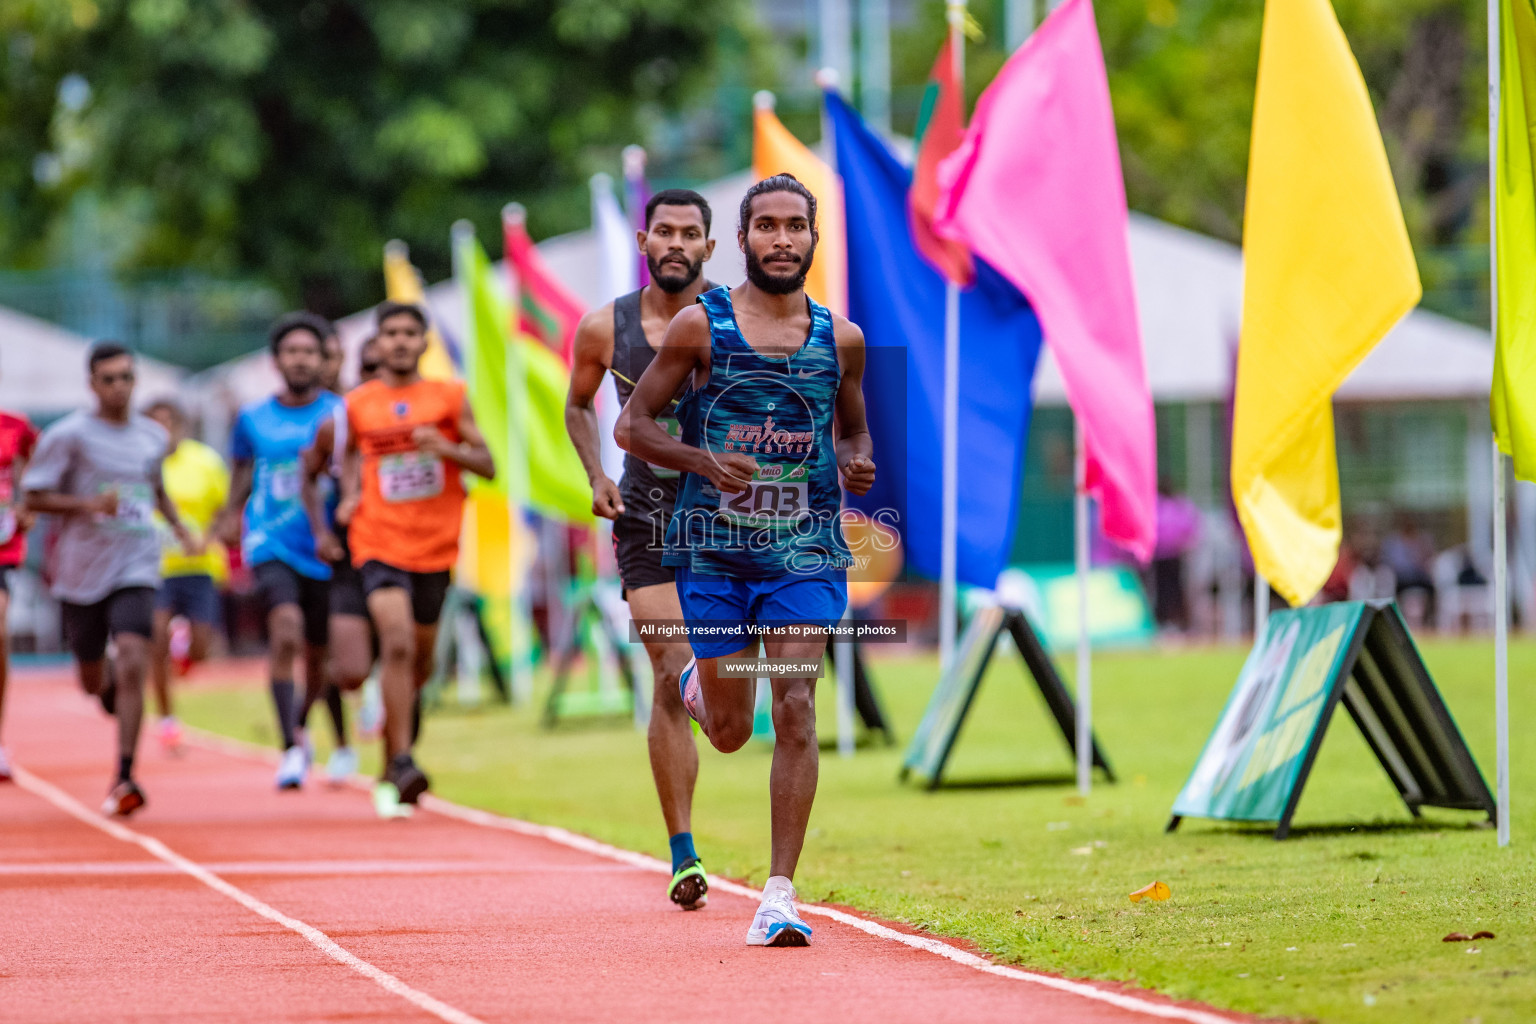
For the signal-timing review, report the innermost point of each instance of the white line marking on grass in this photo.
(155, 848)
(927, 944)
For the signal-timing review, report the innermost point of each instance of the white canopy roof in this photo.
(1188, 291)
(1189, 295)
(43, 368)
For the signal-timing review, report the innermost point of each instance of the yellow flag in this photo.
(402, 283)
(776, 151)
(1327, 271)
(1514, 362)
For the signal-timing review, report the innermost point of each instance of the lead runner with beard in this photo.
(773, 414)
(622, 338)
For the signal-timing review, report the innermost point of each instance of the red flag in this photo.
(546, 308)
(940, 127)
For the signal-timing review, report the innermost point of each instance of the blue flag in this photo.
(898, 299)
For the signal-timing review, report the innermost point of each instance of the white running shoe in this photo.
(691, 690)
(5, 766)
(293, 768)
(370, 712)
(341, 766)
(777, 923)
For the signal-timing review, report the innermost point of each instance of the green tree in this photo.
(290, 138)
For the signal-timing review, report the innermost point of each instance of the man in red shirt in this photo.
(17, 439)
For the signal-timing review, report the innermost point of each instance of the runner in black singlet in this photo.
(621, 338)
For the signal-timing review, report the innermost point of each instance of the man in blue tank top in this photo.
(266, 446)
(773, 417)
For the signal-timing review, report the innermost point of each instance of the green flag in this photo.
(517, 388)
(1513, 402)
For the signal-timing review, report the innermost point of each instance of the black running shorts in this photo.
(87, 627)
(427, 590)
(637, 548)
(281, 584)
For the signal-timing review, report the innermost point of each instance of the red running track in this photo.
(227, 901)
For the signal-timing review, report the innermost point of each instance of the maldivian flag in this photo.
(776, 151)
(1514, 362)
(940, 127)
(402, 283)
(517, 389)
(547, 311)
(1327, 271)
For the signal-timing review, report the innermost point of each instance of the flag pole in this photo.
(1084, 644)
(950, 509)
(827, 80)
(517, 488)
(1260, 606)
(1500, 524)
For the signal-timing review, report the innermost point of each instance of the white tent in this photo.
(1189, 294)
(43, 368)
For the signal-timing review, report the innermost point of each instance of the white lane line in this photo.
(938, 947)
(155, 848)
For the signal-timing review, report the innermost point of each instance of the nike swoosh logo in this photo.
(809, 373)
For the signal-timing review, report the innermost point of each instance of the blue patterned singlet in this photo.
(779, 411)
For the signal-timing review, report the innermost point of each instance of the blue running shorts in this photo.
(728, 606)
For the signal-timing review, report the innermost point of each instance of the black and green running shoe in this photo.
(690, 886)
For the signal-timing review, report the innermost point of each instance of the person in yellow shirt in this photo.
(197, 481)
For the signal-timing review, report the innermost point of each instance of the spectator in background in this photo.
(1410, 552)
(1372, 578)
(197, 482)
(1178, 531)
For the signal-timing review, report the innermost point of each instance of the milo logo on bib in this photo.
(777, 496)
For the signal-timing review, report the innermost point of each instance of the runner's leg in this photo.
(130, 618)
(674, 757)
(792, 780)
(390, 607)
(285, 637)
(351, 650)
(729, 703)
(160, 660)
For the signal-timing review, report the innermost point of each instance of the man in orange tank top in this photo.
(402, 500)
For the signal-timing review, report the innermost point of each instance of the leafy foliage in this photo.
(291, 137)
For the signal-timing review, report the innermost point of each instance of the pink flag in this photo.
(1035, 190)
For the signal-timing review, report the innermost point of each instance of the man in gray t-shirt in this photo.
(99, 473)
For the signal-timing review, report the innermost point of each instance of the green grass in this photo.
(1341, 922)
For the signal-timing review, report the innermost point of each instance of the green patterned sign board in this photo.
(1308, 662)
(934, 741)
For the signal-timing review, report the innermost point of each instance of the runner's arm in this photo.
(469, 452)
(190, 543)
(44, 480)
(313, 462)
(638, 432)
(855, 448)
(227, 526)
(592, 356)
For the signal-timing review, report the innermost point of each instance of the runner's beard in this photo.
(672, 285)
(760, 277)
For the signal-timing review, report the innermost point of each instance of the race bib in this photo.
(410, 476)
(779, 500)
(135, 507)
(284, 481)
(674, 430)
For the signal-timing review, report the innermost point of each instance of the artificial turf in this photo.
(1341, 922)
